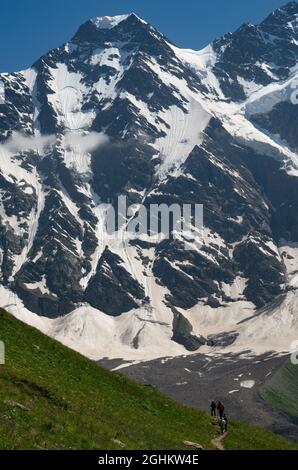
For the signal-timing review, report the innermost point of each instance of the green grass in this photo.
(282, 390)
(71, 403)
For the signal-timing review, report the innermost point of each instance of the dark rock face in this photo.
(280, 190)
(128, 83)
(227, 196)
(17, 204)
(182, 333)
(262, 288)
(281, 120)
(119, 167)
(17, 109)
(54, 256)
(261, 54)
(112, 289)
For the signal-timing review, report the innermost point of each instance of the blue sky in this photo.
(29, 28)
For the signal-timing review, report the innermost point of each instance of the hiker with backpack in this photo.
(213, 408)
(223, 425)
(220, 408)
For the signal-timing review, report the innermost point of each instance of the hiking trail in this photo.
(217, 442)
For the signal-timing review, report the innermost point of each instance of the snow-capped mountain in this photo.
(120, 110)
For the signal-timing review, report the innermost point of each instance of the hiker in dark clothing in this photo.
(213, 408)
(220, 408)
(223, 425)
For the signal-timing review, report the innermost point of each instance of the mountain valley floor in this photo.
(261, 390)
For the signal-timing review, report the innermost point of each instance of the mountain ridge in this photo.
(121, 111)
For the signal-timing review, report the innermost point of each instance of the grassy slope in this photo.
(282, 390)
(71, 403)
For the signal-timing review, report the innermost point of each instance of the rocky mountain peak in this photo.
(109, 22)
(258, 54)
(282, 23)
(287, 12)
(112, 28)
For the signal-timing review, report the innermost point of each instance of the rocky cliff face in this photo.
(119, 110)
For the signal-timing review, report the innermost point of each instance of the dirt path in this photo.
(217, 442)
